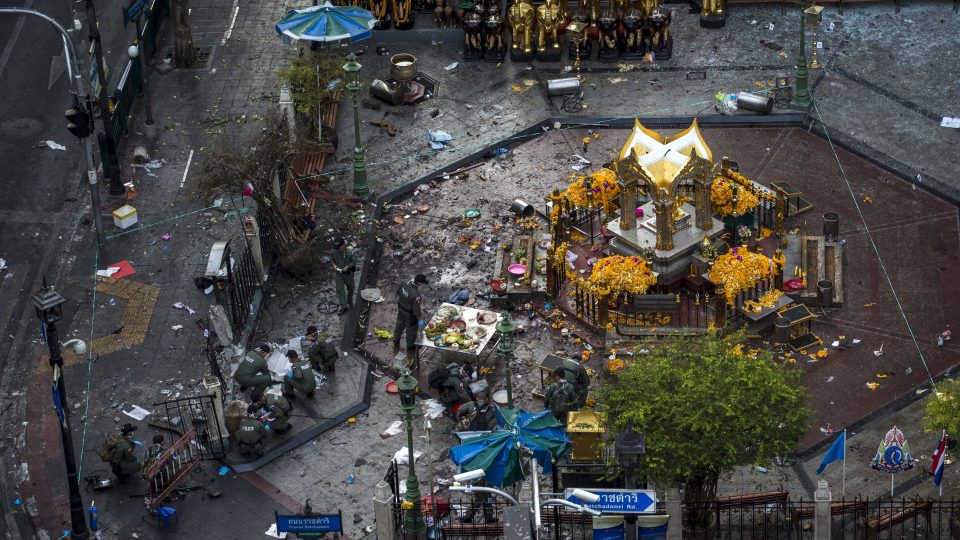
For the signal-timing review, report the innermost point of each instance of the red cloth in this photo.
(125, 269)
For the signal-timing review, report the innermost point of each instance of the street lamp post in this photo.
(149, 128)
(49, 306)
(505, 348)
(85, 116)
(413, 516)
(352, 69)
(802, 93)
(630, 447)
(111, 166)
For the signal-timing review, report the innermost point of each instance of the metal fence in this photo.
(123, 98)
(730, 519)
(236, 288)
(198, 413)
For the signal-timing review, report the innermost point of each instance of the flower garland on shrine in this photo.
(721, 195)
(767, 301)
(599, 188)
(738, 270)
(620, 274)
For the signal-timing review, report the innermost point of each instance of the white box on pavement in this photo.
(125, 216)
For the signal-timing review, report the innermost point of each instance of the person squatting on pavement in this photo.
(253, 371)
(561, 396)
(120, 454)
(250, 434)
(300, 377)
(453, 384)
(409, 316)
(343, 267)
(576, 374)
(275, 412)
(477, 415)
(323, 356)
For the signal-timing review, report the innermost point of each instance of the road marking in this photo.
(8, 50)
(185, 171)
(57, 66)
(233, 20)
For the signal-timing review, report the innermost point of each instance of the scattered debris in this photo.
(395, 428)
(879, 352)
(950, 122)
(451, 67)
(137, 413)
(52, 145)
(181, 305)
(438, 139)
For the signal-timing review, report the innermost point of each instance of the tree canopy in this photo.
(943, 408)
(705, 405)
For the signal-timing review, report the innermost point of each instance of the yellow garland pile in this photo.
(767, 301)
(738, 270)
(721, 195)
(620, 274)
(602, 186)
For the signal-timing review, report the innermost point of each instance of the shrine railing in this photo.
(753, 293)
(634, 314)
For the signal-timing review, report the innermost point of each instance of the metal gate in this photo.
(197, 413)
(172, 467)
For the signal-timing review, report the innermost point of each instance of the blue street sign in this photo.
(309, 524)
(620, 501)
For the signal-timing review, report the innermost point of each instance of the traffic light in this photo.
(78, 121)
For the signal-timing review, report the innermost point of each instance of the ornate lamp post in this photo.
(802, 94)
(49, 306)
(505, 348)
(413, 517)
(352, 69)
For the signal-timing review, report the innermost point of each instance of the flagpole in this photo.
(843, 489)
(891, 484)
(943, 438)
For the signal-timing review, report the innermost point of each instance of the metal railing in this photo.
(197, 414)
(172, 467)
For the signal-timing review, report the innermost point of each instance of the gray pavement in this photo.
(885, 84)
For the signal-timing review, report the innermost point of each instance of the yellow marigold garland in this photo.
(602, 185)
(738, 270)
(621, 274)
(767, 301)
(721, 195)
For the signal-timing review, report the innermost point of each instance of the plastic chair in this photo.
(165, 514)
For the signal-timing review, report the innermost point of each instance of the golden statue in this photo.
(619, 7)
(647, 6)
(678, 201)
(548, 23)
(713, 7)
(521, 25)
(401, 12)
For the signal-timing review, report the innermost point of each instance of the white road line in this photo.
(8, 49)
(187, 170)
(233, 20)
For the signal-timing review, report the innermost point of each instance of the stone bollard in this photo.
(821, 508)
(382, 511)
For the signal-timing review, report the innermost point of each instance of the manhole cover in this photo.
(21, 127)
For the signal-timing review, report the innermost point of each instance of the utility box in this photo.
(125, 216)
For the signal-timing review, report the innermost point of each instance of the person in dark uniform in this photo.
(275, 412)
(560, 396)
(477, 415)
(323, 356)
(576, 374)
(253, 371)
(300, 377)
(343, 267)
(455, 388)
(250, 435)
(123, 462)
(409, 315)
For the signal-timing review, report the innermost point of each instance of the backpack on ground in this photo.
(105, 450)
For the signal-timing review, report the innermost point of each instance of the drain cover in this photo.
(21, 127)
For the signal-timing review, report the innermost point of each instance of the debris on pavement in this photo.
(395, 428)
(433, 409)
(138, 413)
(272, 532)
(401, 457)
(438, 139)
(451, 67)
(181, 305)
(52, 145)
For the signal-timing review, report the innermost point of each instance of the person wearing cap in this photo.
(275, 412)
(253, 371)
(123, 462)
(323, 356)
(300, 377)
(561, 396)
(250, 434)
(343, 267)
(409, 314)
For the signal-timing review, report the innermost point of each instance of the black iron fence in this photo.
(730, 518)
(236, 286)
(197, 413)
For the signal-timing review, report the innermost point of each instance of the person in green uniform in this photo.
(123, 462)
(576, 374)
(300, 377)
(275, 412)
(253, 371)
(250, 435)
(409, 314)
(560, 395)
(343, 267)
(477, 415)
(323, 356)
(455, 388)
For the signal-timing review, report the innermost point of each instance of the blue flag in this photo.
(837, 452)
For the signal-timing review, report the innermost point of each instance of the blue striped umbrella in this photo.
(327, 23)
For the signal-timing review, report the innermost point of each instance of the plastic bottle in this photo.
(92, 511)
(351, 479)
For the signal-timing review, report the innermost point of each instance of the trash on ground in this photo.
(438, 139)
(950, 122)
(402, 456)
(109, 272)
(451, 67)
(181, 305)
(879, 352)
(53, 145)
(395, 428)
(433, 409)
(137, 413)
(223, 470)
(617, 80)
(383, 334)
(582, 162)
(272, 532)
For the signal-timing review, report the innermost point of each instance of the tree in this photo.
(943, 409)
(183, 54)
(312, 81)
(705, 405)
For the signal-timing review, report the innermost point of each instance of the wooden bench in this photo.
(891, 518)
(856, 507)
(473, 530)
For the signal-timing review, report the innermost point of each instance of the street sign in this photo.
(132, 12)
(316, 523)
(620, 501)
